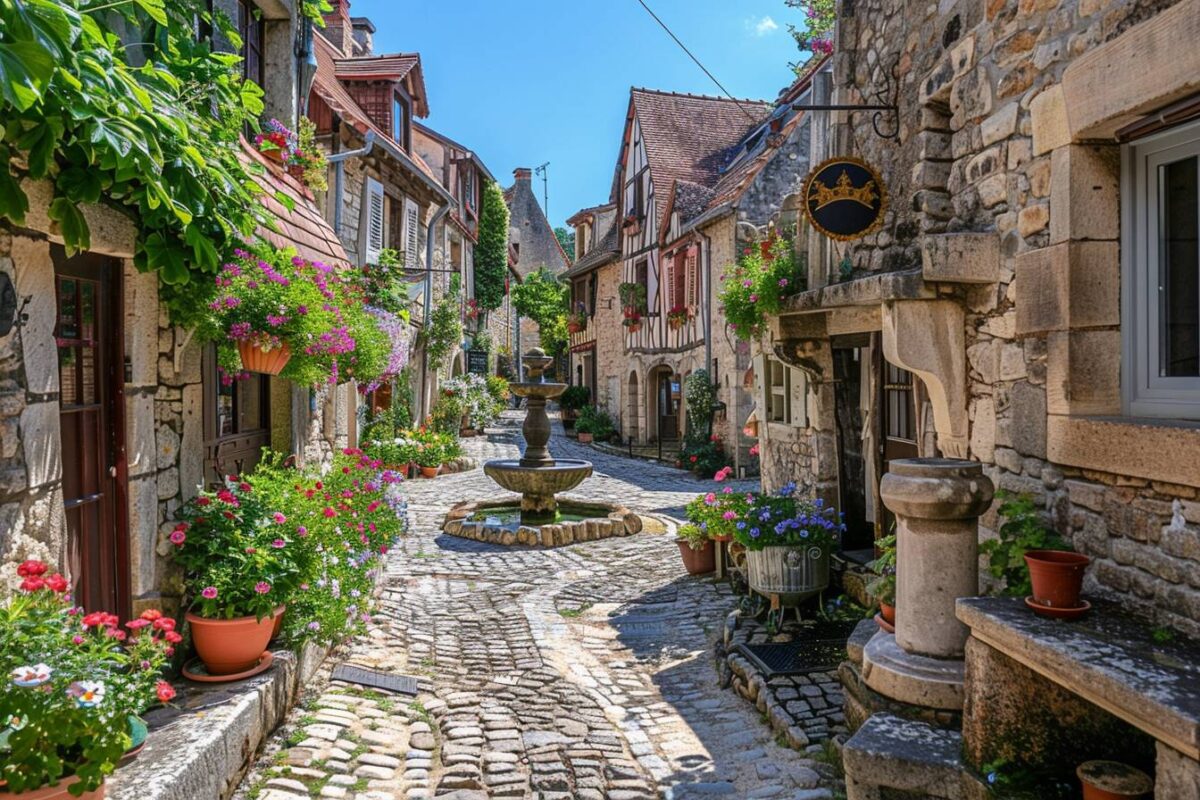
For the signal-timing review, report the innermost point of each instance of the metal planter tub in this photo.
(794, 573)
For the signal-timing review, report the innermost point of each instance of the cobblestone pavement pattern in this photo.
(582, 672)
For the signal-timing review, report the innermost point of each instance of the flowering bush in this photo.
(781, 519)
(678, 315)
(434, 448)
(717, 513)
(765, 276)
(237, 551)
(308, 158)
(474, 399)
(820, 17)
(703, 456)
(342, 523)
(317, 311)
(399, 335)
(69, 681)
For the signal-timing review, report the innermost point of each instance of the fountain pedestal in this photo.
(537, 475)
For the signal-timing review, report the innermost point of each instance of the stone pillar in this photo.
(937, 503)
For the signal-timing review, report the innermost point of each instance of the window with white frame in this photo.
(784, 392)
(1161, 248)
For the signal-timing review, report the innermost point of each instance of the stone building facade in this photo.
(1009, 310)
(110, 416)
(532, 239)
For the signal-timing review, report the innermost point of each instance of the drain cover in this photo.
(820, 650)
(374, 679)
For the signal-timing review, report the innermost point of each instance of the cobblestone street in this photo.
(581, 672)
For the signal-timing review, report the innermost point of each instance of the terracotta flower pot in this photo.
(697, 562)
(229, 646)
(585, 438)
(277, 626)
(429, 472)
(273, 153)
(268, 362)
(1057, 577)
(296, 171)
(888, 612)
(634, 328)
(1112, 780)
(58, 792)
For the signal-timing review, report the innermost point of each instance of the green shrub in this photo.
(596, 421)
(575, 398)
(1021, 530)
(766, 275)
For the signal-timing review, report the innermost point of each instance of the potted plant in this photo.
(275, 141)
(577, 319)
(717, 513)
(594, 423)
(1112, 780)
(71, 683)
(306, 160)
(239, 566)
(571, 401)
(1032, 560)
(788, 543)
(696, 549)
(633, 299)
(429, 457)
(677, 316)
(883, 585)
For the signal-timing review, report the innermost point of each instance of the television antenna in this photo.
(544, 171)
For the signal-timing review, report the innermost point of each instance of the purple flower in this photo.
(262, 587)
(209, 593)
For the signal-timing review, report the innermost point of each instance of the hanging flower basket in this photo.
(268, 362)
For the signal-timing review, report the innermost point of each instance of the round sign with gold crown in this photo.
(844, 198)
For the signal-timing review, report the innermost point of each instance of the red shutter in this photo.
(671, 269)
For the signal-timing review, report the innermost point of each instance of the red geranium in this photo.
(31, 569)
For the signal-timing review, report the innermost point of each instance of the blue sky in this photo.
(524, 82)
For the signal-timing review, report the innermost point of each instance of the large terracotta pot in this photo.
(1112, 780)
(58, 792)
(277, 626)
(888, 612)
(1057, 577)
(697, 562)
(429, 472)
(229, 646)
(255, 359)
(584, 438)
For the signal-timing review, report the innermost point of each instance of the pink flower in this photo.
(262, 587)
(278, 544)
(279, 518)
(301, 531)
(753, 298)
(329, 513)
(754, 450)
(727, 490)
(729, 515)
(178, 538)
(209, 592)
(710, 498)
(783, 282)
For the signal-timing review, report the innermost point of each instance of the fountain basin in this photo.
(561, 476)
(499, 522)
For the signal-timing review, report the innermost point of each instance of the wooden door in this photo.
(88, 334)
(852, 465)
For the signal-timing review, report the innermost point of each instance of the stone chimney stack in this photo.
(364, 36)
(339, 29)
(523, 174)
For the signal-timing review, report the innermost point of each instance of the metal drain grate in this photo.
(374, 679)
(818, 650)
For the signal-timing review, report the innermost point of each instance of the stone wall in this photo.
(1004, 190)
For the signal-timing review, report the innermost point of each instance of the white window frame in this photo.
(781, 384)
(1144, 392)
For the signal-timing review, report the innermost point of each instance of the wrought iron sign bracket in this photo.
(879, 108)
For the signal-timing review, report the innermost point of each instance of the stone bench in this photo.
(1047, 691)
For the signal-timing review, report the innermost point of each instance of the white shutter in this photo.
(412, 234)
(799, 398)
(373, 221)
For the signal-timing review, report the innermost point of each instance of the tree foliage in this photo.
(491, 254)
(566, 238)
(445, 326)
(543, 298)
(150, 128)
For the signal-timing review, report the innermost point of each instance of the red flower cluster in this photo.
(32, 572)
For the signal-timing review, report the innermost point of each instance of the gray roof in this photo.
(607, 243)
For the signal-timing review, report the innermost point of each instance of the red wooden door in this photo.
(88, 333)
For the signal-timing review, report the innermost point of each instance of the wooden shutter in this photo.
(672, 270)
(373, 217)
(412, 234)
(799, 405)
(692, 294)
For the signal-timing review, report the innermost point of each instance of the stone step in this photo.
(890, 752)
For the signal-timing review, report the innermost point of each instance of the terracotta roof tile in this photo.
(688, 137)
(302, 226)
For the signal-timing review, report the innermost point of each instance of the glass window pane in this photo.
(67, 325)
(68, 365)
(250, 399)
(1179, 276)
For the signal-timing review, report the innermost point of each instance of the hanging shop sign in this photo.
(845, 198)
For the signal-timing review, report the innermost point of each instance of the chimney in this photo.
(338, 28)
(523, 174)
(364, 36)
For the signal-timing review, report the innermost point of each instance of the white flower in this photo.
(87, 694)
(31, 676)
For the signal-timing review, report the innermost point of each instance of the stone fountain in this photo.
(537, 475)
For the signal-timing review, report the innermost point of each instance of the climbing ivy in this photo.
(117, 102)
(445, 326)
(491, 254)
(543, 298)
